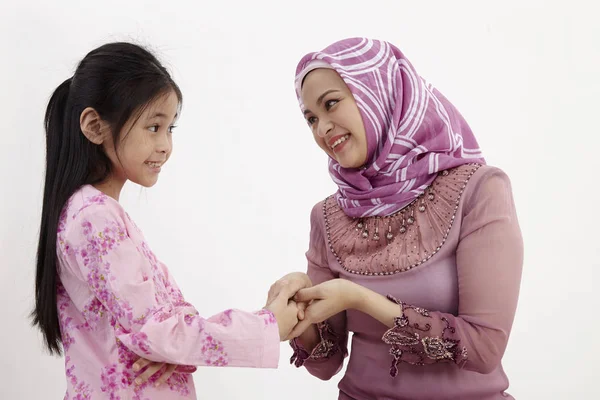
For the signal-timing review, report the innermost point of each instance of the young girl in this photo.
(419, 253)
(100, 291)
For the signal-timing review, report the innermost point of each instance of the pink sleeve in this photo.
(148, 312)
(489, 260)
(327, 358)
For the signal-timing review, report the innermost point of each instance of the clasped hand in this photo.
(297, 304)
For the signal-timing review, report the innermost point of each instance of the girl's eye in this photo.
(311, 120)
(153, 128)
(171, 128)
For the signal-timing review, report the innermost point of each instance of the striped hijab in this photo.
(413, 131)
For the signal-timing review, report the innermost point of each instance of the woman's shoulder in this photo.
(316, 214)
(485, 172)
(323, 208)
(487, 181)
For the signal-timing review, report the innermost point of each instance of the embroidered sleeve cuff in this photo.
(416, 343)
(329, 345)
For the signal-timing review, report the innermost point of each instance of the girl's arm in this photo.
(131, 288)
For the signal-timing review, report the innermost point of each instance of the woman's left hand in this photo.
(325, 300)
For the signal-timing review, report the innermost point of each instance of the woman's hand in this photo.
(324, 301)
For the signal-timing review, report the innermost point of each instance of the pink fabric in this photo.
(413, 131)
(457, 307)
(404, 240)
(117, 302)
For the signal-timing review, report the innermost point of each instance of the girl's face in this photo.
(334, 118)
(146, 143)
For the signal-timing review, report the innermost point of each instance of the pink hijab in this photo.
(413, 131)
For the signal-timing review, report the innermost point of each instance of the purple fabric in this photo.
(413, 131)
(463, 298)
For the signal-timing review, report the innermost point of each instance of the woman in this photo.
(419, 253)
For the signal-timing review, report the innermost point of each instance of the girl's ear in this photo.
(93, 127)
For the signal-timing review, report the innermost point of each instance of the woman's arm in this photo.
(321, 348)
(489, 262)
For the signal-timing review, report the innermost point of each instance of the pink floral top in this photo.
(117, 302)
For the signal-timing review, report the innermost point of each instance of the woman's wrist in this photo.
(356, 296)
(309, 339)
(375, 305)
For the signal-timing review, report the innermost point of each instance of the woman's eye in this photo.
(311, 120)
(330, 103)
(153, 128)
(171, 128)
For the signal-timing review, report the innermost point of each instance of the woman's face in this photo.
(334, 118)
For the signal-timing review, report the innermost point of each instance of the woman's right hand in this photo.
(285, 311)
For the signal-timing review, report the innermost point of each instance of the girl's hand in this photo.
(285, 312)
(325, 300)
(152, 368)
(289, 285)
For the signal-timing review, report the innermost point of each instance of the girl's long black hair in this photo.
(117, 80)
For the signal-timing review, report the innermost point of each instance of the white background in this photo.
(231, 211)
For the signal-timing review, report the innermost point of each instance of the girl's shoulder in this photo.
(90, 203)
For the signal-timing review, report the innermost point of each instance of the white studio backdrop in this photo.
(230, 213)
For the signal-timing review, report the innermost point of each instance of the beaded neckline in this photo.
(401, 241)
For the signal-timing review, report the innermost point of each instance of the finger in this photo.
(308, 294)
(282, 299)
(290, 287)
(140, 364)
(278, 304)
(293, 308)
(274, 290)
(166, 375)
(148, 373)
(295, 285)
(301, 309)
(300, 314)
